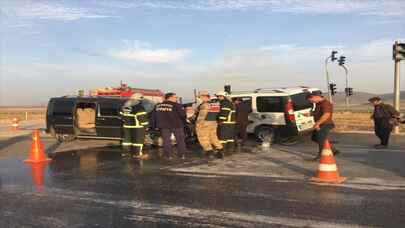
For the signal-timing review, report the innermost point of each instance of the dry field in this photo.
(23, 113)
(345, 121)
(355, 121)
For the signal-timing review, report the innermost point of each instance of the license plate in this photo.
(305, 126)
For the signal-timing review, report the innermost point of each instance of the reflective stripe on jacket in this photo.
(208, 111)
(227, 115)
(137, 118)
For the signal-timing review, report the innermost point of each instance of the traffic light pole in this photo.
(328, 79)
(397, 81)
(347, 98)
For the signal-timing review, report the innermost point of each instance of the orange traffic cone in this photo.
(327, 169)
(37, 171)
(37, 153)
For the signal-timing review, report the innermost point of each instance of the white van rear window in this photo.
(269, 104)
(300, 101)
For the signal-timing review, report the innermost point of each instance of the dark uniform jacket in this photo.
(134, 117)
(386, 113)
(243, 110)
(169, 115)
(227, 113)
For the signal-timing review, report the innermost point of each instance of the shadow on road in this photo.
(11, 141)
(386, 160)
(290, 166)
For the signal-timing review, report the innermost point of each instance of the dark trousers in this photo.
(226, 134)
(133, 140)
(167, 141)
(321, 135)
(383, 130)
(241, 131)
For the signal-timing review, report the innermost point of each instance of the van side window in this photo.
(269, 104)
(63, 108)
(109, 109)
(300, 102)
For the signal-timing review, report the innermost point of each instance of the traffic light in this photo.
(227, 88)
(349, 91)
(398, 51)
(333, 56)
(332, 88)
(342, 60)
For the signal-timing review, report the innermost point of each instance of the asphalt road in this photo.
(88, 184)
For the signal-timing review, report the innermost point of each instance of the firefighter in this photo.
(206, 125)
(135, 121)
(226, 122)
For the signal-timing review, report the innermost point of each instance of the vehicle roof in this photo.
(90, 98)
(281, 91)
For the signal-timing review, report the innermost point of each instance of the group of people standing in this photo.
(215, 124)
(218, 123)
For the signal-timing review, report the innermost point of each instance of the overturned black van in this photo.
(71, 117)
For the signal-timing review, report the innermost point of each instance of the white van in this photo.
(283, 113)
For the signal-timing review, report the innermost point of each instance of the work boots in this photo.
(231, 147)
(220, 155)
(209, 154)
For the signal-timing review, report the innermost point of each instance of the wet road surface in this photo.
(98, 188)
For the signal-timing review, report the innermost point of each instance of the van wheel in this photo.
(64, 137)
(265, 133)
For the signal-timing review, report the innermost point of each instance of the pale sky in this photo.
(52, 48)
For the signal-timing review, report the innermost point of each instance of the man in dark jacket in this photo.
(385, 118)
(243, 109)
(169, 117)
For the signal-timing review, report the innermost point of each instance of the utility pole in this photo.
(348, 91)
(328, 85)
(397, 80)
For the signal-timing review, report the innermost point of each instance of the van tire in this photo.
(64, 137)
(264, 130)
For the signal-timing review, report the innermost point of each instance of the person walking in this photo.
(322, 114)
(170, 118)
(135, 121)
(243, 109)
(206, 125)
(385, 118)
(226, 122)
